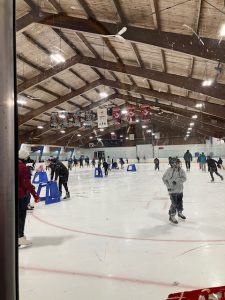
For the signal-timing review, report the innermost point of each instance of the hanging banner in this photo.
(116, 115)
(131, 118)
(54, 120)
(64, 121)
(102, 117)
(88, 119)
(76, 119)
(145, 112)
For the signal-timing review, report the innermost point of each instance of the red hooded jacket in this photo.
(25, 186)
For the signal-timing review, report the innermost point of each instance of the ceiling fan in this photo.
(118, 34)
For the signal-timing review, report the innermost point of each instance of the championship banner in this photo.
(88, 119)
(54, 120)
(76, 119)
(131, 118)
(64, 121)
(116, 115)
(102, 117)
(145, 112)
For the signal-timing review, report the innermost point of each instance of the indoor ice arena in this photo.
(112, 130)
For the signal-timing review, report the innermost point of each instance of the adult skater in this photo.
(174, 178)
(212, 166)
(70, 164)
(25, 189)
(60, 171)
(121, 162)
(202, 161)
(156, 162)
(81, 162)
(105, 167)
(138, 159)
(188, 159)
(108, 162)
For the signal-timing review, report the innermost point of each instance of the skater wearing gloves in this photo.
(174, 178)
(60, 171)
(25, 189)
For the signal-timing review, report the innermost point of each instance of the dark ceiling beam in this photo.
(58, 101)
(155, 14)
(87, 44)
(74, 104)
(31, 17)
(56, 6)
(120, 12)
(173, 109)
(43, 89)
(191, 72)
(32, 98)
(32, 5)
(86, 98)
(48, 73)
(198, 16)
(164, 66)
(64, 84)
(187, 44)
(217, 90)
(36, 43)
(20, 77)
(86, 9)
(78, 76)
(66, 40)
(30, 64)
(37, 133)
(112, 50)
(137, 54)
(208, 108)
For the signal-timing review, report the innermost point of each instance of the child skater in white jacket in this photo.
(174, 178)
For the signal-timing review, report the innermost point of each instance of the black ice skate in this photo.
(221, 177)
(173, 220)
(67, 196)
(180, 215)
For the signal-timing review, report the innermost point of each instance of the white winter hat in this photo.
(23, 154)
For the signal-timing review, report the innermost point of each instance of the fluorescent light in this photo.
(57, 57)
(194, 117)
(222, 30)
(153, 134)
(124, 112)
(121, 135)
(149, 130)
(103, 94)
(112, 133)
(137, 121)
(99, 139)
(199, 105)
(21, 101)
(79, 134)
(91, 137)
(101, 129)
(189, 128)
(144, 126)
(40, 127)
(61, 116)
(127, 138)
(192, 124)
(207, 82)
(62, 131)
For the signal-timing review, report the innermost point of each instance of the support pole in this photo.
(8, 261)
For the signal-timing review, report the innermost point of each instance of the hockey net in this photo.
(216, 293)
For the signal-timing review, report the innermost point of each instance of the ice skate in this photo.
(180, 215)
(24, 242)
(67, 196)
(221, 178)
(30, 207)
(173, 220)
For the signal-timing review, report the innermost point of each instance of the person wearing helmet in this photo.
(24, 191)
(59, 170)
(174, 178)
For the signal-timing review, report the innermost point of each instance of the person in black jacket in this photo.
(60, 171)
(212, 166)
(106, 167)
(156, 162)
(188, 159)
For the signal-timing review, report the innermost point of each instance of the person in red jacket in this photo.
(25, 189)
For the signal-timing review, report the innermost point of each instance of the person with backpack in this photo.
(173, 178)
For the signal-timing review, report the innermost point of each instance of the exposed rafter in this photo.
(155, 14)
(178, 42)
(30, 64)
(66, 40)
(120, 12)
(87, 44)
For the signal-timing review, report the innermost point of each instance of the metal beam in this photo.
(217, 90)
(208, 108)
(187, 44)
(58, 101)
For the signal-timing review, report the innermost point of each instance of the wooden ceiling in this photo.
(169, 49)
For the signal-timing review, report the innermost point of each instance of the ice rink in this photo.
(112, 240)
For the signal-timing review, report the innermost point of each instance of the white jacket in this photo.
(174, 179)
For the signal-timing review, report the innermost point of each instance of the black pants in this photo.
(156, 167)
(106, 171)
(176, 204)
(22, 212)
(188, 164)
(63, 181)
(214, 170)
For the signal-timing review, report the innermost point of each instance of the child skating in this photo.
(174, 178)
